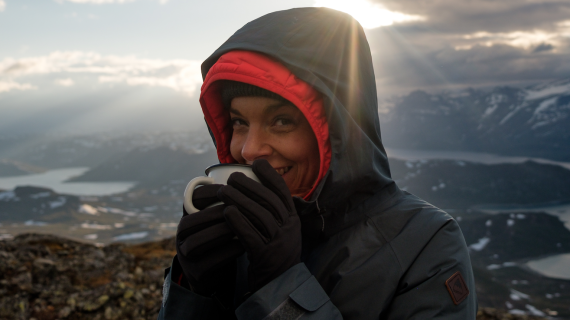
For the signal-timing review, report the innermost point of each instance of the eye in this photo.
(283, 122)
(236, 122)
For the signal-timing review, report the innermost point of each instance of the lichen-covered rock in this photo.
(45, 277)
(494, 314)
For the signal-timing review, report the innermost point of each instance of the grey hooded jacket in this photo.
(370, 250)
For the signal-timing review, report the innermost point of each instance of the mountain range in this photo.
(532, 121)
(528, 122)
(448, 184)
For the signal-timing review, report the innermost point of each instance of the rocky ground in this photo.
(45, 277)
(494, 314)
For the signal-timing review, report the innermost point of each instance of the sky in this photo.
(83, 66)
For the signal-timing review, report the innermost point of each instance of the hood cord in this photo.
(321, 215)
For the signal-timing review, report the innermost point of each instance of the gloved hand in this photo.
(263, 217)
(205, 244)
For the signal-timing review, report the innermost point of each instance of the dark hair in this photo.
(234, 89)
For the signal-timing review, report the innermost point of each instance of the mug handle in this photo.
(198, 181)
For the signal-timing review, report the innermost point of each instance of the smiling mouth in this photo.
(283, 170)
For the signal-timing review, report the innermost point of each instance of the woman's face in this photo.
(265, 128)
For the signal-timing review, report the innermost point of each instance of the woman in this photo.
(327, 234)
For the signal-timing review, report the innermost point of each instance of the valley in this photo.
(497, 161)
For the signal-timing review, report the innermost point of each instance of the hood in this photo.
(328, 50)
(262, 71)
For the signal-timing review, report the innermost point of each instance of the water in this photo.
(131, 236)
(560, 210)
(555, 267)
(485, 158)
(54, 179)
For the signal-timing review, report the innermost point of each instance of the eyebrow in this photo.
(232, 110)
(276, 106)
(268, 109)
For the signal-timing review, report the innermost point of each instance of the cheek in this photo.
(236, 145)
(304, 150)
(313, 154)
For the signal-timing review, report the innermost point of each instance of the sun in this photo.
(370, 15)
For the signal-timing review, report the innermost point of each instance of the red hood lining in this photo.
(264, 72)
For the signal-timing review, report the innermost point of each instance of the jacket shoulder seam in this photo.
(387, 243)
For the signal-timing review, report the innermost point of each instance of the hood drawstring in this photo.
(321, 215)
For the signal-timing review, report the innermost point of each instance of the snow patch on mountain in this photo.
(549, 111)
(8, 196)
(517, 295)
(494, 102)
(87, 209)
(512, 113)
(96, 226)
(546, 91)
(40, 195)
(57, 203)
(481, 244)
(544, 105)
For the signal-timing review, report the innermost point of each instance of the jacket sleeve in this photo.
(180, 303)
(295, 294)
(431, 287)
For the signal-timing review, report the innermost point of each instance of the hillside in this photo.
(151, 166)
(138, 216)
(8, 169)
(89, 150)
(445, 183)
(500, 238)
(48, 277)
(452, 184)
(501, 245)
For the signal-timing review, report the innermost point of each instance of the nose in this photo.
(256, 146)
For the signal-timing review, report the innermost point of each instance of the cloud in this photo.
(96, 1)
(65, 82)
(369, 15)
(9, 85)
(520, 39)
(543, 47)
(2, 5)
(79, 91)
(103, 1)
(463, 24)
(452, 16)
(406, 63)
(475, 43)
(179, 75)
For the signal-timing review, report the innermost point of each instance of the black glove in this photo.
(264, 219)
(205, 244)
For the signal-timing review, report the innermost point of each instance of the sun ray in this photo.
(370, 15)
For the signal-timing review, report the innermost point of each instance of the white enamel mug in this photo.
(216, 174)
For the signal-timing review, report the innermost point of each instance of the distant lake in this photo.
(479, 157)
(555, 267)
(54, 179)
